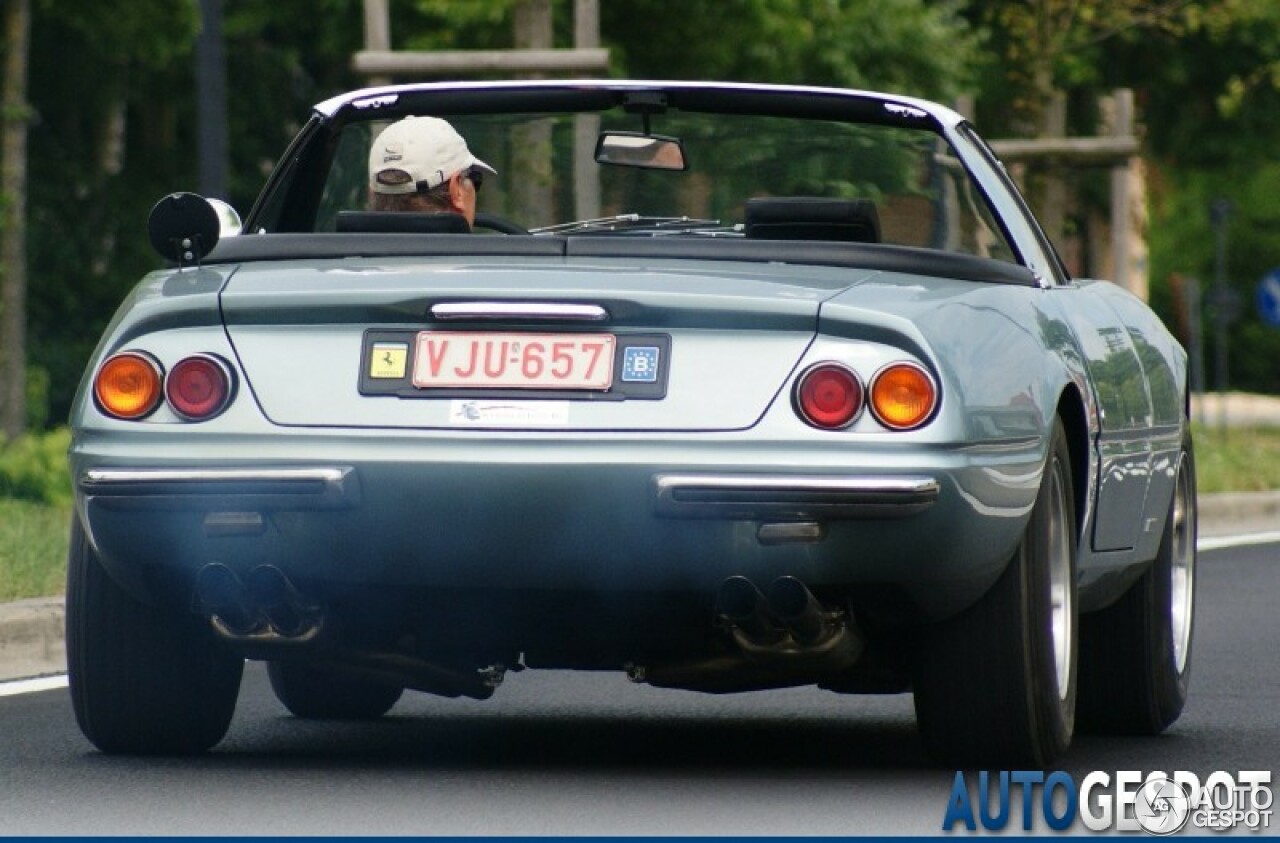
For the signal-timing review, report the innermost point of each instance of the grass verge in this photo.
(33, 548)
(1237, 459)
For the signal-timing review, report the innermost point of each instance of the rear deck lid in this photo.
(489, 342)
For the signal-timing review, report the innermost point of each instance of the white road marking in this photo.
(1245, 540)
(32, 686)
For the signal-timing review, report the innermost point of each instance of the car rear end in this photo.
(752, 447)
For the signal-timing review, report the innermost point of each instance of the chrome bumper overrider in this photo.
(792, 496)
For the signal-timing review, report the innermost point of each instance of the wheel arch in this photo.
(1074, 416)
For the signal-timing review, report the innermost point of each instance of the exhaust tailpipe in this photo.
(741, 605)
(285, 608)
(221, 594)
(793, 603)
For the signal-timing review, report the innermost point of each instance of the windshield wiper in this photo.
(629, 222)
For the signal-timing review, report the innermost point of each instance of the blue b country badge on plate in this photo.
(640, 364)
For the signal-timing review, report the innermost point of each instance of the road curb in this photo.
(1239, 512)
(31, 638)
(31, 631)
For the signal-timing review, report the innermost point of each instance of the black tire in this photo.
(144, 680)
(1135, 655)
(996, 685)
(314, 693)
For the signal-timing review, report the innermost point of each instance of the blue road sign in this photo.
(1269, 298)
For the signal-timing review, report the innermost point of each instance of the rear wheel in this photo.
(1135, 655)
(315, 693)
(997, 683)
(143, 680)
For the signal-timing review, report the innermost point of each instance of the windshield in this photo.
(550, 182)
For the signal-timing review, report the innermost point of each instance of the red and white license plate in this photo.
(514, 361)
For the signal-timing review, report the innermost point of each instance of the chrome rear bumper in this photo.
(720, 495)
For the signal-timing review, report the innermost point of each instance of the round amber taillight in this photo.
(128, 385)
(903, 396)
(829, 396)
(198, 387)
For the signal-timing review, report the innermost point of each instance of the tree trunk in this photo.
(530, 183)
(13, 228)
(586, 127)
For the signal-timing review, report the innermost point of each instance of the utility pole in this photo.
(211, 102)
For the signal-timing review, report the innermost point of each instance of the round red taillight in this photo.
(829, 396)
(198, 387)
(128, 385)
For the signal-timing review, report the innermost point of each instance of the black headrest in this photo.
(401, 222)
(812, 218)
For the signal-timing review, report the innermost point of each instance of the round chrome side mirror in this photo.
(229, 224)
(184, 227)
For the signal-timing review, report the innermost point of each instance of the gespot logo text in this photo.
(1158, 803)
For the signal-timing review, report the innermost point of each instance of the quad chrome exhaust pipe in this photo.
(265, 611)
(787, 615)
(782, 637)
(265, 604)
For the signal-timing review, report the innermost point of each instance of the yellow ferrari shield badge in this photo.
(388, 360)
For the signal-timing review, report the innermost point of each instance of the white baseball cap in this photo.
(418, 153)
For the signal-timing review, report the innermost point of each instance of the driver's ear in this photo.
(457, 193)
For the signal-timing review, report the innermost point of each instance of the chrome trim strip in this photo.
(317, 487)
(814, 497)
(128, 476)
(801, 483)
(551, 311)
(386, 95)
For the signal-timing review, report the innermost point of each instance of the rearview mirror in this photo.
(631, 149)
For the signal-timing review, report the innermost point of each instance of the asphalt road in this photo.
(565, 753)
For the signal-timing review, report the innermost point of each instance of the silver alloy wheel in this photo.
(1061, 595)
(1183, 564)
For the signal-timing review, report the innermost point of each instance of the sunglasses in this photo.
(477, 177)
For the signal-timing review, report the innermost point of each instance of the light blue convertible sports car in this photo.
(733, 387)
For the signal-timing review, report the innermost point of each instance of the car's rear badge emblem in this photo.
(389, 360)
(640, 364)
(508, 413)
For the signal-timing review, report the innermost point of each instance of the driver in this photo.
(423, 164)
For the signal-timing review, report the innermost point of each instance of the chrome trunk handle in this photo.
(516, 310)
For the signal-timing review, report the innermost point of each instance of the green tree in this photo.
(1210, 93)
(114, 130)
(906, 46)
(1040, 47)
(13, 201)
